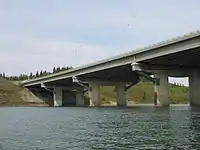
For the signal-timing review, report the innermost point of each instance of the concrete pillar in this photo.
(94, 94)
(121, 95)
(79, 98)
(194, 89)
(162, 89)
(57, 96)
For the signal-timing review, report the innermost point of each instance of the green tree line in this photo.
(33, 75)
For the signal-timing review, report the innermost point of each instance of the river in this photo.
(73, 128)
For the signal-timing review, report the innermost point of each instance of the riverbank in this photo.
(143, 93)
(14, 95)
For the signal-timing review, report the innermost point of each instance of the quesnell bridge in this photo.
(177, 57)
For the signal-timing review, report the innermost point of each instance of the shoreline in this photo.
(25, 105)
(103, 105)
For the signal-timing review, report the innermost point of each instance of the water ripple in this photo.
(99, 128)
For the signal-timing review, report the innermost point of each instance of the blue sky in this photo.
(40, 34)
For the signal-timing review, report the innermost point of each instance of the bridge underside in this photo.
(186, 59)
(178, 64)
(117, 74)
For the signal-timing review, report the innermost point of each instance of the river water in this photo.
(38, 128)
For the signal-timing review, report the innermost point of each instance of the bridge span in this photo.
(177, 57)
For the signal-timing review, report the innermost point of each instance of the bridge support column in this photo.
(79, 98)
(121, 95)
(94, 94)
(161, 89)
(194, 89)
(58, 96)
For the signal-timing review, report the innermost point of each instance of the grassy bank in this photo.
(143, 93)
(14, 95)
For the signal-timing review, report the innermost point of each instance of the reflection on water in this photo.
(177, 127)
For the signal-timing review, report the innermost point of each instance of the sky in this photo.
(39, 34)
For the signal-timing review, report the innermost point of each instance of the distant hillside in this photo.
(143, 93)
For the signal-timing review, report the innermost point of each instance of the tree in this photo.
(21, 77)
(54, 69)
(41, 73)
(31, 76)
(37, 74)
(45, 73)
(4, 75)
(58, 69)
(63, 68)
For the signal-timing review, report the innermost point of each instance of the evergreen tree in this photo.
(63, 68)
(31, 75)
(54, 69)
(26, 77)
(69, 68)
(21, 77)
(41, 73)
(45, 73)
(15, 78)
(58, 69)
(37, 74)
(4, 75)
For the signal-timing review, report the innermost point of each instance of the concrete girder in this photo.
(172, 71)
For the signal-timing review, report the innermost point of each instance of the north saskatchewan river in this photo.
(41, 128)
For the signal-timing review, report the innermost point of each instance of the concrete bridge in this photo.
(177, 57)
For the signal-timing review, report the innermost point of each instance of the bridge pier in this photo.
(57, 96)
(94, 93)
(194, 89)
(79, 98)
(161, 89)
(121, 94)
